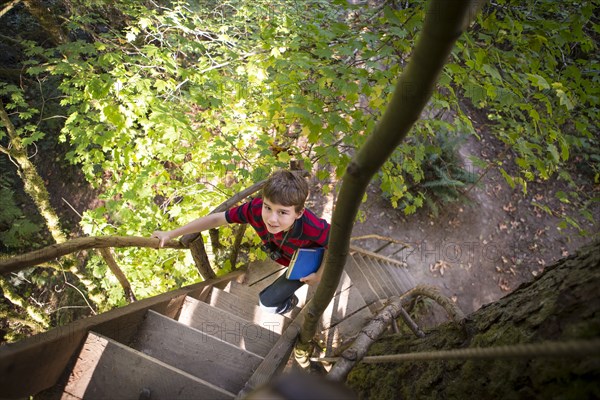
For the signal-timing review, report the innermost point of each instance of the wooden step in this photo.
(228, 327)
(347, 329)
(259, 270)
(251, 294)
(267, 280)
(107, 369)
(389, 281)
(361, 281)
(366, 266)
(249, 311)
(242, 291)
(341, 306)
(404, 278)
(195, 352)
(391, 271)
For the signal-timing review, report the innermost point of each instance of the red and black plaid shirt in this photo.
(308, 230)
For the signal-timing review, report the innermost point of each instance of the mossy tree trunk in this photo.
(445, 22)
(32, 182)
(34, 186)
(48, 20)
(560, 305)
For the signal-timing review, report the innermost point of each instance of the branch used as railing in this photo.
(194, 241)
(51, 252)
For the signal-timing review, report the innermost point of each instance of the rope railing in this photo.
(573, 348)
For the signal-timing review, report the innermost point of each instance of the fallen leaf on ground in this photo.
(503, 283)
(509, 207)
(439, 266)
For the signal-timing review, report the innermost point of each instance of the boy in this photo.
(283, 224)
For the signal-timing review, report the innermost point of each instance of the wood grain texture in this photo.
(276, 359)
(195, 352)
(51, 252)
(247, 310)
(228, 327)
(46, 355)
(107, 369)
(361, 281)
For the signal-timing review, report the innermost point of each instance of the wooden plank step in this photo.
(277, 358)
(371, 270)
(107, 369)
(251, 294)
(341, 306)
(347, 329)
(263, 283)
(395, 272)
(387, 275)
(404, 278)
(195, 352)
(249, 311)
(228, 327)
(362, 283)
(259, 270)
(242, 291)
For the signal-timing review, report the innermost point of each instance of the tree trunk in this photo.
(32, 181)
(445, 22)
(48, 20)
(560, 305)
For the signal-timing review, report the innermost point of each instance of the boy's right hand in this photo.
(163, 237)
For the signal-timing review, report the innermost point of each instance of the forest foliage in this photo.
(169, 108)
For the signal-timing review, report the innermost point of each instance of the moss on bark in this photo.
(562, 304)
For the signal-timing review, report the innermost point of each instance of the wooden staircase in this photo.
(209, 340)
(199, 342)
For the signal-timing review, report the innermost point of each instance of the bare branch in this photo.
(116, 270)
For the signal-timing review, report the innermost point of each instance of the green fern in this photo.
(437, 175)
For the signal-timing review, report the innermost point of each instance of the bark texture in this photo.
(48, 21)
(560, 305)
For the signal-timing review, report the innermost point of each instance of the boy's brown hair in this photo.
(286, 188)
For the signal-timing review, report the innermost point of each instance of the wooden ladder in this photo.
(209, 340)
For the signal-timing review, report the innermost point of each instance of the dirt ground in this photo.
(479, 250)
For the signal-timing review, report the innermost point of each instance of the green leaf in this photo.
(390, 15)
(539, 81)
(564, 99)
(509, 179)
(553, 152)
(562, 197)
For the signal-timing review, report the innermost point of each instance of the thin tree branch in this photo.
(116, 270)
(9, 7)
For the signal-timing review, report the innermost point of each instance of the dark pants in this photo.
(278, 293)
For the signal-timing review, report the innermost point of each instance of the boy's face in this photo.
(279, 218)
